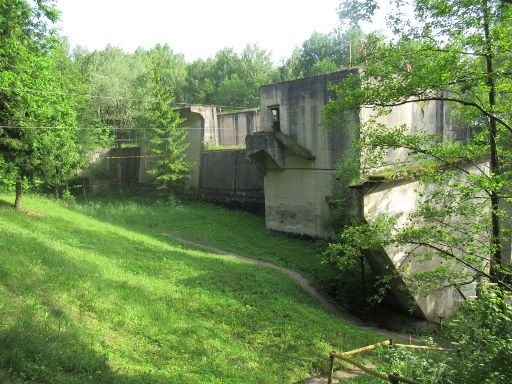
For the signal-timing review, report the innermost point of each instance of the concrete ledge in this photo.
(260, 145)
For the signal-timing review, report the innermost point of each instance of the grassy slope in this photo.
(85, 300)
(234, 231)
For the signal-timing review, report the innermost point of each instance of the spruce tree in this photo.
(168, 142)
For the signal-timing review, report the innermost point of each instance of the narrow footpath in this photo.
(305, 284)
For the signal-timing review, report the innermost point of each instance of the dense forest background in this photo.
(58, 103)
(229, 79)
(118, 85)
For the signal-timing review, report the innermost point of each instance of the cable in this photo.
(112, 128)
(128, 157)
(184, 104)
(145, 139)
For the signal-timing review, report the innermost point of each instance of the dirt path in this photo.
(305, 284)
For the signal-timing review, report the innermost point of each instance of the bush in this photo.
(483, 331)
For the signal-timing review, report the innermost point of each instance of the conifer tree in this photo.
(168, 142)
(38, 122)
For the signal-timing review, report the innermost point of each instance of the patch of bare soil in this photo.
(34, 213)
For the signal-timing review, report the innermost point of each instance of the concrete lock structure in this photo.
(297, 157)
(219, 170)
(296, 154)
(287, 169)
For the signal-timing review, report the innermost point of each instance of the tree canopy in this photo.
(322, 53)
(457, 52)
(38, 135)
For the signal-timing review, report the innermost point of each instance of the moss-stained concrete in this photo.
(299, 177)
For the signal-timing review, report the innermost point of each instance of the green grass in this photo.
(235, 231)
(92, 292)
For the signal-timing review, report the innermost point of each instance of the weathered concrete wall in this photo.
(301, 104)
(298, 182)
(296, 188)
(399, 199)
(209, 116)
(430, 118)
(198, 121)
(234, 127)
(218, 176)
(295, 200)
(227, 177)
(109, 168)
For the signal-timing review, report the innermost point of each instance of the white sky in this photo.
(196, 28)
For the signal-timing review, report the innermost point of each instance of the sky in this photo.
(196, 28)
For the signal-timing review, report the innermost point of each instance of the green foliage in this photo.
(230, 79)
(110, 75)
(38, 139)
(481, 330)
(121, 85)
(214, 225)
(481, 333)
(356, 239)
(322, 53)
(168, 142)
(455, 53)
(234, 91)
(443, 58)
(323, 66)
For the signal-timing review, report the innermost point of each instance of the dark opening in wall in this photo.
(276, 125)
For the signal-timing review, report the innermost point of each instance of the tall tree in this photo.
(168, 142)
(31, 95)
(110, 78)
(173, 75)
(230, 79)
(457, 52)
(323, 53)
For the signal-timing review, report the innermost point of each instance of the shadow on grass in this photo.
(41, 339)
(352, 287)
(6, 204)
(33, 351)
(127, 281)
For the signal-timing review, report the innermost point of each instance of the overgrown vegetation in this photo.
(103, 296)
(456, 53)
(35, 75)
(469, 73)
(93, 292)
(168, 143)
(56, 106)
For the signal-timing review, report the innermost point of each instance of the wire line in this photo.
(112, 128)
(184, 104)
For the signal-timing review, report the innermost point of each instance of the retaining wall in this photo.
(227, 177)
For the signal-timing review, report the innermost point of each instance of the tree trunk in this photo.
(494, 169)
(19, 190)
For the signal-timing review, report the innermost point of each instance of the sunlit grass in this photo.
(234, 231)
(93, 293)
